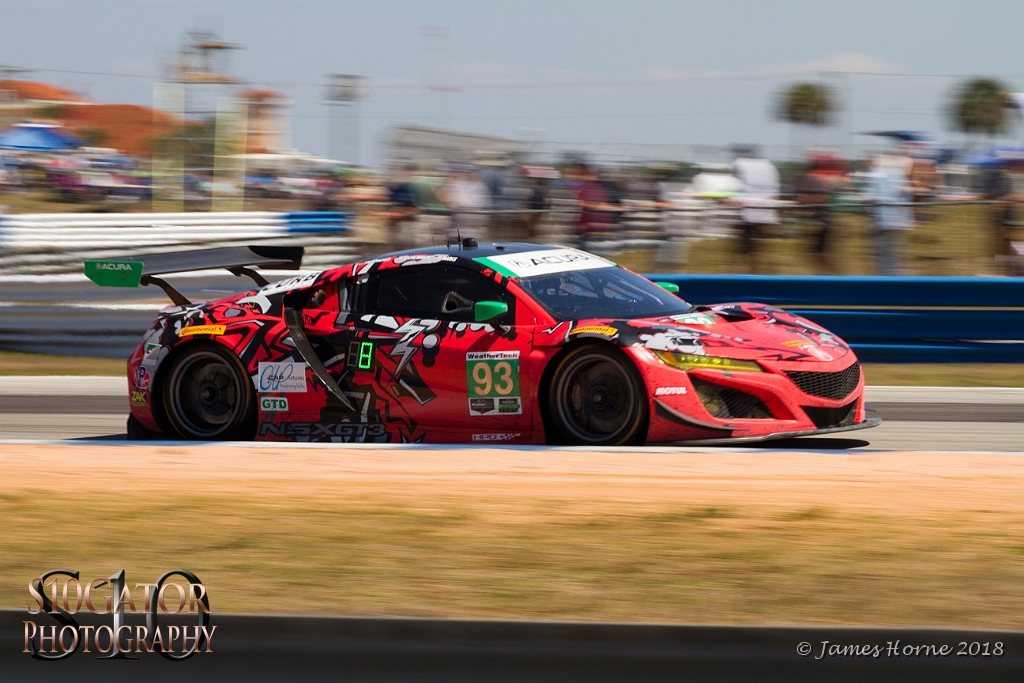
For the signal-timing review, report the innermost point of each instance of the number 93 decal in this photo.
(492, 382)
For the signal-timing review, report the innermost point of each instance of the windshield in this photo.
(602, 293)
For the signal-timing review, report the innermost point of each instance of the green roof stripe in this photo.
(483, 260)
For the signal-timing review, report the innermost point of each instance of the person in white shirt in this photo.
(889, 192)
(760, 191)
(466, 195)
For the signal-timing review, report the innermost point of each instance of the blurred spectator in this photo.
(924, 182)
(760, 191)
(614, 189)
(1005, 185)
(364, 195)
(887, 186)
(817, 187)
(404, 209)
(497, 175)
(467, 198)
(539, 180)
(592, 200)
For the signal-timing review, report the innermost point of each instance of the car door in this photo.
(418, 356)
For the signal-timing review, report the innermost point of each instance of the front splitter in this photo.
(869, 422)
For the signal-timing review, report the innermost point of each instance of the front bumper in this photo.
(732, 440)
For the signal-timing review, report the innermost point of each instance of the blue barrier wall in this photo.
(889, 319)
(317, 221)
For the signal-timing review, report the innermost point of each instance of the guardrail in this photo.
(885, 319)
(889, 319)
(55, 243)
(277, 648)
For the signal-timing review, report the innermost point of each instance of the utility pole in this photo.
(195, 76)
(344, 92)
(435, 47)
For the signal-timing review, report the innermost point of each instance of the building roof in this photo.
(129, 128)
(418, 142)
(261, 95)
(41, 92)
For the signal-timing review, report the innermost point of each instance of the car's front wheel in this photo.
(597, 398)
(208, 395)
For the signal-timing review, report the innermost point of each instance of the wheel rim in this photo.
(596, 399)
(205, 394)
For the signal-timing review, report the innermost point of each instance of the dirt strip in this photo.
(880, 481)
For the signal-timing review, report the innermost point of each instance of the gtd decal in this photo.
(269, 404)
(119, 639)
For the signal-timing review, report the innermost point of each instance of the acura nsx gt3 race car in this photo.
(490, 343)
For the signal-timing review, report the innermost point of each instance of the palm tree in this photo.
(979, 106)
(808, 104)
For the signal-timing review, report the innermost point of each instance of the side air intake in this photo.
(823, 418)
(726, 402)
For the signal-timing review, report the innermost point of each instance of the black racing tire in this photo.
(597, 398)
(207, 395)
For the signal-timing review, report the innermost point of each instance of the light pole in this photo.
(343, 95)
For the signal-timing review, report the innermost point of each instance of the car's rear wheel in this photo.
(208, 395)
(597, 398)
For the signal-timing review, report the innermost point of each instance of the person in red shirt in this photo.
(596, 213)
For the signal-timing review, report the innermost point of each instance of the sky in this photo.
(674, 75)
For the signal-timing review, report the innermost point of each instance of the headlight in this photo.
(689, 361)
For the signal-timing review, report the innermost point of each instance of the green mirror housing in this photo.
(668, 287)
(484, 311)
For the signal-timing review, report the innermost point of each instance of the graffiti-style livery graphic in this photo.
(506, 343)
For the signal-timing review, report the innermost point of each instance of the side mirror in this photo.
(668, 287)
(485, 311)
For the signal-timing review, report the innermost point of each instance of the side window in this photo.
(331, 302)
(436, 292)
(335, 296)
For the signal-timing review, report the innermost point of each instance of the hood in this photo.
(741, 331)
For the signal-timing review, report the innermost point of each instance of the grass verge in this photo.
(945, 375)
(17, 363)
(922, 540)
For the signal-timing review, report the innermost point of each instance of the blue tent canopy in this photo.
(35, 137)
(902, 135)
(997, 156)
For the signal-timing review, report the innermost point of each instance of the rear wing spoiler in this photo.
(142, 270)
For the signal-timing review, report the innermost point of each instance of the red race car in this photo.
(475, 344)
